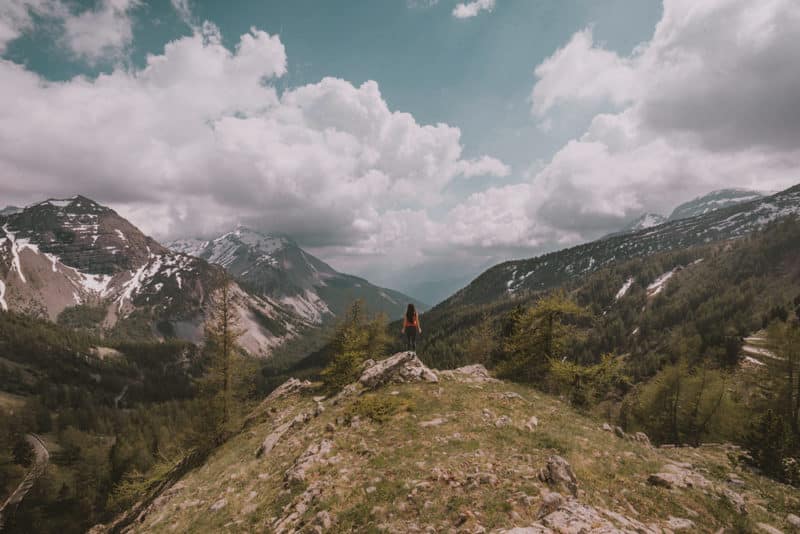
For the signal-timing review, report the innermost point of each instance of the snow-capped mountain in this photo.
(646, 220)
(276, 267)
(62, 253)
(550, 270)
(715, 200)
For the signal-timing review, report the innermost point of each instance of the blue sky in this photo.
(398, 139)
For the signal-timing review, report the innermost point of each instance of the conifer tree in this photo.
(222, 333)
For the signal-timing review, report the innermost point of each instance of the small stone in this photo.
(502, 421)
(619, 432)
(433, 422)
(532, 423)
(607, 427)
(371, 489)
(323, 519)
(219, 505)
(793, 520)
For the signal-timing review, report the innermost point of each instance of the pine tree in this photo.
(539, 335)
(222, 333)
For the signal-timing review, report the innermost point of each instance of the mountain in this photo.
(78, 256)
(715, 200)
(276, 267)
(9, 210)
(646, 220)
(410, 449)
(515, 277)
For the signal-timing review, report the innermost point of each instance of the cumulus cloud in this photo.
(101, 33)
(16, 17)
(580, 71)
(712, 100)
(472, 9)
(199, 139)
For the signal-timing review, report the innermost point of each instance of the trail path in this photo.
(40, 460)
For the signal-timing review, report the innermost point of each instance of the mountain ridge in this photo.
(275, 266)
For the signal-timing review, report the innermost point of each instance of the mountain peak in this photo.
(721, 198)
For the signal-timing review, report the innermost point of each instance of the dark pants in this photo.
(411, 338)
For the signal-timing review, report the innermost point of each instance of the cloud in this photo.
(712, 100)
(582, 72)
(101, 33)
(472, 9)
(16, 17)
(198, 139)
(104, 32)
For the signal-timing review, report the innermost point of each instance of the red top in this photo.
(407, 323)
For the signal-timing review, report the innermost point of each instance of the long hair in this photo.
(410, 313)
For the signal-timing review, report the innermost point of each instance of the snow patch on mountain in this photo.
(3, 303)
(624, 289)
(658, 285)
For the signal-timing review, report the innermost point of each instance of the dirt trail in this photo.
(40, 459)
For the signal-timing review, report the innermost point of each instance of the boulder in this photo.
(558, 473)
(793, 520)
(642, 438)
(551, 501)
(469, 374)
(679, 475)
(401, 368)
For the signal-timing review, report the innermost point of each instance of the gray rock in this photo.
(219, 505)
(558, 473)
(275, 436)
(607, 427)
(769, 529)
(642, 438)
(551, 501)
(532, 423)
(433, 422)
(502, 421)
(793, 520)
(679, 523)
(469, 374)
(314, 454)
(400, 368)
(619, 432)
(735, 499)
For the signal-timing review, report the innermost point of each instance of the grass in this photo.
(389, 473)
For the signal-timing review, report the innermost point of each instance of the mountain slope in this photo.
(63, 253)
(466, 454)
(646, 220)
(277, 268)
(715, 200)
(551, 270)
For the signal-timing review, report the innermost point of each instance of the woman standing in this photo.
(411, 327)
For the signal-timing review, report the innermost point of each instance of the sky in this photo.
(413, 142)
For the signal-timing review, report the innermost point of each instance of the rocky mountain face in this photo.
(276, 267)
(63, 253)
(406, 448)
(715, 200)
(513, 278)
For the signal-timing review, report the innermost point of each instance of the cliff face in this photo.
(408, 449)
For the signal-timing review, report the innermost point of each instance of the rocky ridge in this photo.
(409, 449)
(63, 253)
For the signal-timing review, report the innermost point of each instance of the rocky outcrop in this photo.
(275, 436)
(401, 368)
(558, 474)
(470, 374)
(316, 453)
(678, 475)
